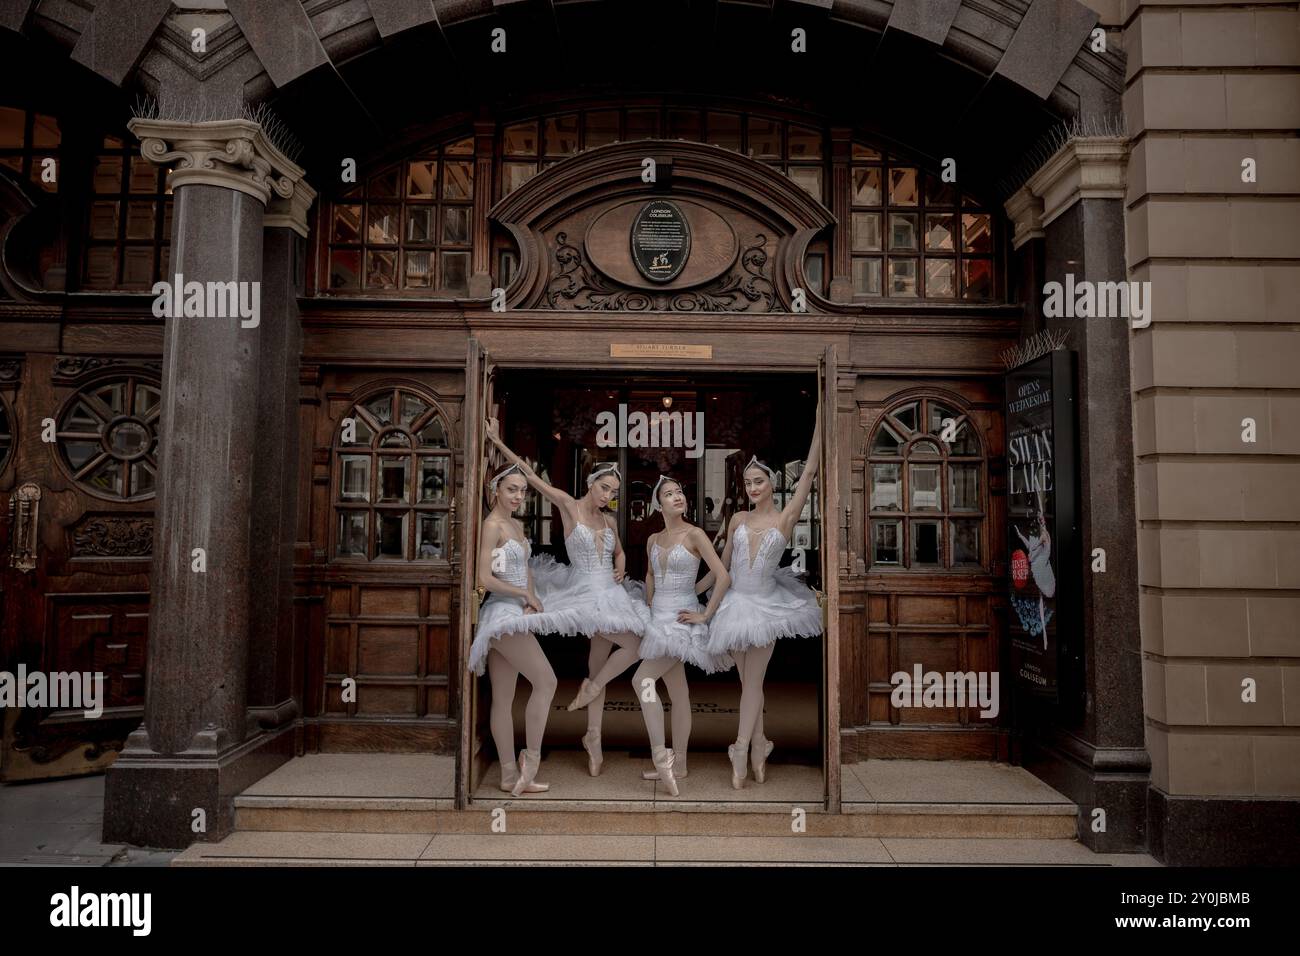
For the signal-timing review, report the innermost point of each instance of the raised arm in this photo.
(543, 488)
(717, 571)
(790, 513)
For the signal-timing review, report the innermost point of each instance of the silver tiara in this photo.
(654, 495)
(754, 461)
(492, 485)
(600, 470)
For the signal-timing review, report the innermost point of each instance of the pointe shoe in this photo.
(586, 694)
(510, 776)
(737, 754)
(591, 744)
(663, 761)
(529, 761)
(760, 763)
(679, 768)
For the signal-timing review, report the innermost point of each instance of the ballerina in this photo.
(765, 602)
(505, 637)
(675, 627)
(588, 594)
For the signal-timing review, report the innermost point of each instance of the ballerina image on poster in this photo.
(1039, 548)
(505, 639)
(675, 627)
(588, 593)
(765, 602)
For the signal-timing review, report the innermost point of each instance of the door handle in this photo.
(24, 515)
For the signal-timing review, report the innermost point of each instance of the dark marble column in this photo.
(217, 559)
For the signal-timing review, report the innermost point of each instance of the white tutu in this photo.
(583, 594)
(505, 615)
(664, 635)
(765, 602)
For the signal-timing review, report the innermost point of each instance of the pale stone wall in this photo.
(1218, 518)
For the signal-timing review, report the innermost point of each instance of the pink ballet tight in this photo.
(603, 667)
(512, 655)
(673, 673)
(751, 665)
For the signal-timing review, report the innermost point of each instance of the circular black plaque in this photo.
(661, 241)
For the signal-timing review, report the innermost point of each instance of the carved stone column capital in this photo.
(233, 154)
(1087, 167)
(1025, 210)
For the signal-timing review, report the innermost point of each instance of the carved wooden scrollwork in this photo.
(113, 536)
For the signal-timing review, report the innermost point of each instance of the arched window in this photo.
(927, 489)
(391, 485)
(108, 437)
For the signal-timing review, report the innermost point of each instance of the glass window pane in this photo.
(382, 225)
(108, 174)
(359, 433)
(142, 479)
(925, 449)
(685, 124)
(390, 534)
(642, 124)
(803, 143)
(923, 483)
(866, 185)
(902, 277)
(381, 270)
(347, 224)
(863, 151)
(866, 276)
(936, 413)
(412, 408)
(128, 439)
(354, 477)
(13, 128)
(887, 441)
(902, 186)
(866, 232)
(433, 478)
(455, 272)
(885, 487)
(724, 130)
(940, 278)
(146, 398)
(113, 395)
(80, 452)
(939, 233)
(140, 220)
(902, 232)
(457, 180)
(907, 415)
(927, 548)
(381, 408)
(939, 193)
(514, 175)
(809, 179)
(352, 534)
(561, 135)
(81, 419)
(519, 140)
(455, 224)
(813, 269)
(433, 435)
(431, 536)
(108, 477)
(601, 127)
(419, 224)
(885, 542)
(393, 473)
(462, 147)
(395, 439)
(965, 543)
(764, 138)
(976, 232)
(383, 185)
(964, 493)
(422, 179)
(103, 220)
(977, 278)
(345, 268)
